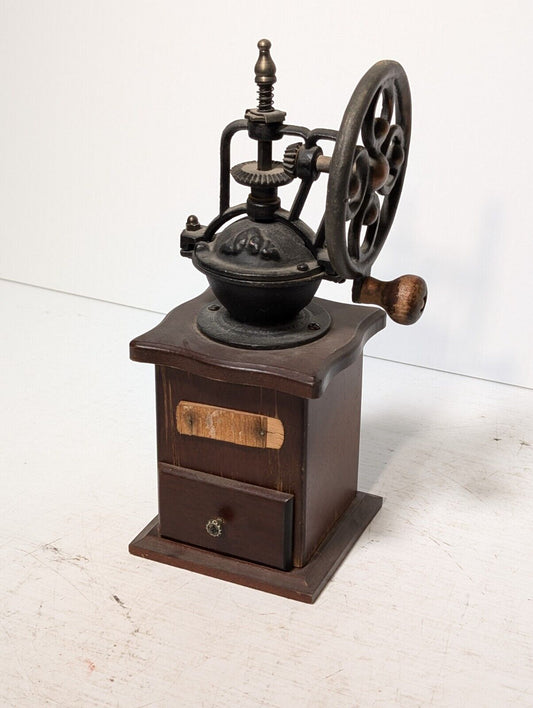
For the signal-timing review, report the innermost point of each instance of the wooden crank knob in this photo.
(403, 299)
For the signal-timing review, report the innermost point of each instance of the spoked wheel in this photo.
(367, 169)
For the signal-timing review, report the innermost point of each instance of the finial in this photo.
(265, 75)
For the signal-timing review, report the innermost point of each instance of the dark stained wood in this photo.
(332, 455)
(255, 523)
(404, 299)
(303, 371)
(281, 469)
(317, 463)
(315, 392)
(304, 584)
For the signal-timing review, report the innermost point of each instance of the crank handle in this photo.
(403, 299)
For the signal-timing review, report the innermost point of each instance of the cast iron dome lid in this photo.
(257, 251)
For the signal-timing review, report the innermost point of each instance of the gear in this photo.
(290, 157)
(247, 173)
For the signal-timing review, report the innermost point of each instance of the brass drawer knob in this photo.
(214, 527)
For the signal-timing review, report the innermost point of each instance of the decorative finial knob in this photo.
(265, 75)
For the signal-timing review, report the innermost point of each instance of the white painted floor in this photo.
(434, 606)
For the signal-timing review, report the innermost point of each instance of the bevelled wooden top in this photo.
(303, 371)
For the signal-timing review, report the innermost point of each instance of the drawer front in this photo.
(223, 515)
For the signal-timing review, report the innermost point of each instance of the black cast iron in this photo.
(265, 268)
(311, 323)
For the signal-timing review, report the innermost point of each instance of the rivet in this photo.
(313, 326)
(302, 266)
(214, 308)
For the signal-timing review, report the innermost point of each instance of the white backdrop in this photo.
(110, 124)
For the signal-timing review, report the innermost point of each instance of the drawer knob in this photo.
(214, 527)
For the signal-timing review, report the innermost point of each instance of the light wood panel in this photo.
(229, 425)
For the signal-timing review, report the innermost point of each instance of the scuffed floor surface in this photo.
(433, 607)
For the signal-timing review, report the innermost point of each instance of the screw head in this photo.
(214, 308)
(302, 266)
(313, 326)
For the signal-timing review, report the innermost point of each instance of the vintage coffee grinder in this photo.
(258, 383)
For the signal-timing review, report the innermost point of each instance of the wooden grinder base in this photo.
(258, 452)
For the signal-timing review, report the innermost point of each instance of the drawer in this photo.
(219, 514)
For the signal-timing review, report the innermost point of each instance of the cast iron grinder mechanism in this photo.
(266, 266)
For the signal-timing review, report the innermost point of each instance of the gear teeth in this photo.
(289, 158)
(248, 174)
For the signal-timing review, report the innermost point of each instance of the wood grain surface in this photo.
(404, 299)
(229, 425)
(303, 584)
(177, 342)
(317, 463)
(255, 523)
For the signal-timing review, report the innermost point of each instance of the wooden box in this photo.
(258, 452)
